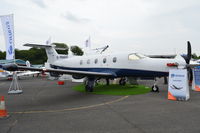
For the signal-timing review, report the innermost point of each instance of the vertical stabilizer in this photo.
(52, 55)
(50, 51)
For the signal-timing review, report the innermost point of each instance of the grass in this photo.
(116, 89)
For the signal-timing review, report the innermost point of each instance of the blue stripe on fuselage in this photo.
(116, 72)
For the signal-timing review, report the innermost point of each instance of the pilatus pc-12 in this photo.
(102, 65)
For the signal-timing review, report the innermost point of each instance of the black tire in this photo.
(122, 82)
(155, 88)
(88, 88)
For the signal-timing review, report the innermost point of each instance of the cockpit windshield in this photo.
(135, 56)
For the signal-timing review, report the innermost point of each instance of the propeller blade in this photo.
(189, 52)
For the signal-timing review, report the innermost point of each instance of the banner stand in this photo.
(178, 87)
(196, 79)
(8, 29)
(14, 86)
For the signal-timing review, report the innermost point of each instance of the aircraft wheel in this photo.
(88, 88)
(155, 88)
(122, 82)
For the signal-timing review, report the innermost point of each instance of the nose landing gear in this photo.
(122, 81)
(155, 88)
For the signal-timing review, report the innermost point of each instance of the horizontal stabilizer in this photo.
(43, 46)
(38, 45)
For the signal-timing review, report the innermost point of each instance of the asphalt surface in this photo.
(46, 107)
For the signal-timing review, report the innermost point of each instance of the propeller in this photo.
(187, 59)
(188, 56)
(189, 52)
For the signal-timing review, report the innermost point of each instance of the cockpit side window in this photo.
(134, 57)
(140, 55)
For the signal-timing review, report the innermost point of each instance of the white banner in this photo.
(178, 88)
(196, 79)
(8, 28)
(88, 43)
(48, 42)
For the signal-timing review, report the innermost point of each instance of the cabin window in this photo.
(104, 60)
(88, 61)
(96, 61)
(81, 62)
(115, 59)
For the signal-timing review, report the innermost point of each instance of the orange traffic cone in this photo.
(3, 111)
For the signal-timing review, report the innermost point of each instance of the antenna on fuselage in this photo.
(104, 49)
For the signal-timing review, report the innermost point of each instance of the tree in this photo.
(62, 46)
(2, 55)
(34, 55)
(76, 50)
(194, 56)
(38, 56)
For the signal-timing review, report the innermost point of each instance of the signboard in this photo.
(196, 79)
(178, 88)
(8, 28)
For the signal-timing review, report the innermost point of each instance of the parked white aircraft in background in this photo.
(5, 74)
(8, 75)
(106, 65)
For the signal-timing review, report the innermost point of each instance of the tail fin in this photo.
(50, 51)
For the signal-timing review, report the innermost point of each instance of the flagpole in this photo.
(13, 40)
(8, 28)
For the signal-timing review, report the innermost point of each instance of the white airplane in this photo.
(5, 74)
(8, 75)
(106, 65)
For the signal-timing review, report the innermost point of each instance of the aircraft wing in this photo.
(161, 56)
(27, 73)
(14, 67)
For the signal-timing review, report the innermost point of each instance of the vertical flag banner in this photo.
(178, 87)
(48, 42)
(87, 48)
(196, 79)
(87, 43)
(8, 29)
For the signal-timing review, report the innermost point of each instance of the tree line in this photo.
(38, 56)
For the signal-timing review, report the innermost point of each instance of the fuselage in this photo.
(120, 65)
(4, 74)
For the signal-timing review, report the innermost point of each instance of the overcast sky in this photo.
(145, 26)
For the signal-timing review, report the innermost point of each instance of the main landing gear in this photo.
(155, 88)
(122, 81)
(89, 85)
